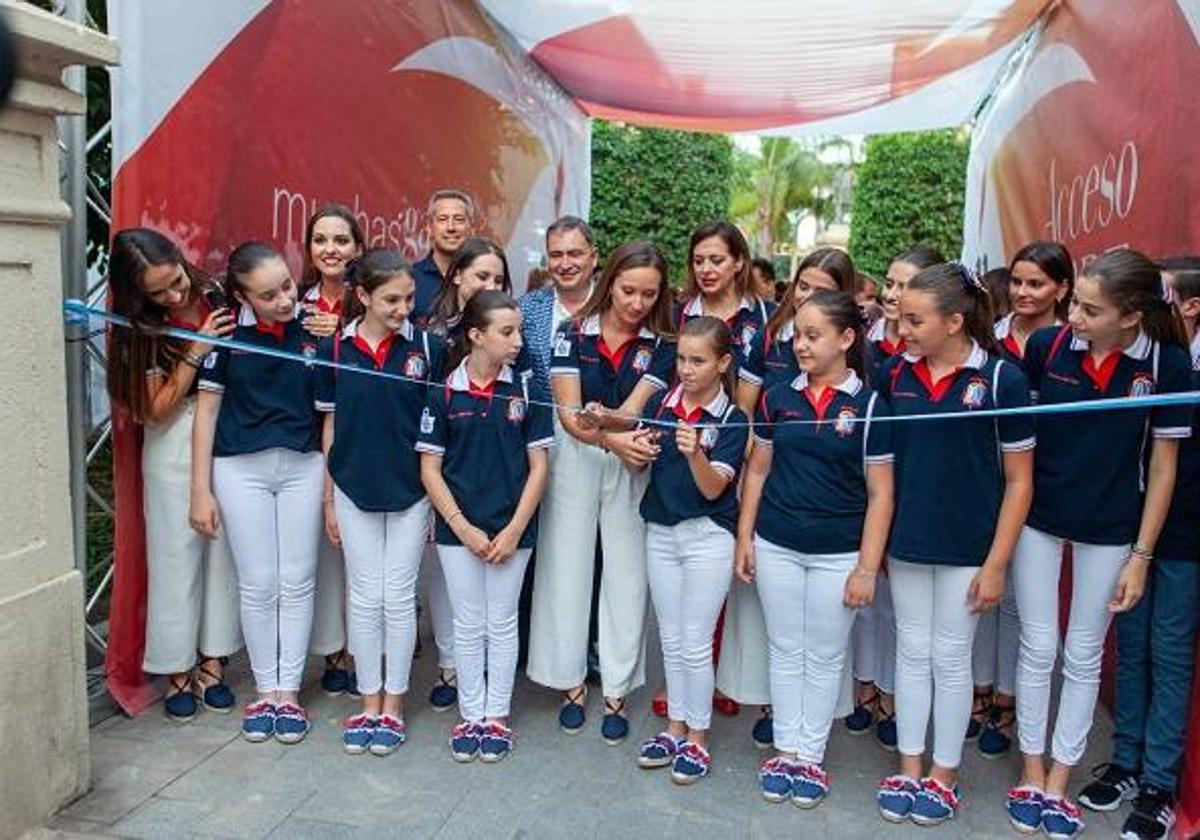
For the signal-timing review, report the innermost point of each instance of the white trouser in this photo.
(588, 487)
(994, 658)
(329, 605)
(743, 672)
(689, 566)
(270, 504)
(383, 556)
(874, 639)
(484, 597)
(1036, 565)
(808, 631)
(934, 632)
(437, 602)
(192, 597)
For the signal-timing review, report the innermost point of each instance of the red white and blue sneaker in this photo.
(1061, 818)
(776, 778)
(809, 786)
(691, 764)
(390, 733)
(495, 742)
(258, 721)
(895, 796)
(1025, 804)
(464, 741)
(934, 803)
(291, 723)
(357, 733)
(659, 751)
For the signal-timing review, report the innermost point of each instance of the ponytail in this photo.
(368, 272)
(956, 289)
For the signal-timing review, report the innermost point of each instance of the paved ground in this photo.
(152, 778)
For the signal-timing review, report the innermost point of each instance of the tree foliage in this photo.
(769, 188)
(909, 191)
(657, 184)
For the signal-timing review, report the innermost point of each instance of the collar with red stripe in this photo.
(976, 359)
(850, 385)
(695, 307)
(1006, 335)
(674, 402)
(878, 335)
(591, 327)
(380, 353)
(1101, 374)
(314, 296)
(460, 380)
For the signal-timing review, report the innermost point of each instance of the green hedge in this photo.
(656, 184)
(909, 191)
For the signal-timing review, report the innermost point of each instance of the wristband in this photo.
(193, 359)
(1141, 552)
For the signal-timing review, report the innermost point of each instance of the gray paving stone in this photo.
(158, 817)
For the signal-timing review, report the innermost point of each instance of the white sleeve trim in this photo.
(564, 371)
(430, 448)
(762, 441)
(749, 377)
(723, 468)
(1172, 432)
(209, 385)
(1023, 445)
(540, 443)
(655, 381)
(886, 458)
(326, 407)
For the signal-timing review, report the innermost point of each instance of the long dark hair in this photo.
(720, 341)
(445, 303)
(834, 262)
(309, 275)
(624, 257)
(476, 315)
(368, 272)
(1185, 272)
(242, 260)
(843, 313)
(955, 289)
(920, 256)
(1133, 283)
(135, 350)
(1054, 260)
(738, 250)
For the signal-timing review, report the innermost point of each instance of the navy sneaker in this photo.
(934, 803)
(776, 778)
(763, 733)
(885, 731)
(614, 728)
(1152, 817)
(390, 733)
(291, 723)
(495, 742)
(572, 714)
(357, 732)
(691, 764)
(444, 694)
(659, 751)
(1113, 785)
(464, 741)
(860, 720)
(810, 786)
(335, 681)
(1061, 818)
(895, 796)
(258, 721)
(993, 742)
(181, 706)
(216, 696)
(1025, 805)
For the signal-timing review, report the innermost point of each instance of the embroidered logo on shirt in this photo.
(708, 437)
(1142, 386)
(414, 366)
(562, 347)
(426, 422)
(516, 411)
(843, 426)
(309, 351)
(641, 360)
(975, 393)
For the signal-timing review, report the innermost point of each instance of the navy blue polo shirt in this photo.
(267, 402)
(1088, 479)
(372, 459)
(950, 473)
(815, 497)
(772, 359)
(428, 278)
(484, 438)
(749, 320)
(1180, 538)
(879, 350)
(609, 375)
(672, 495)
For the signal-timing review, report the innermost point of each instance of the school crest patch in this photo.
(1142, 386)
(843, 426)
(641, 359)
(975, 393)
(309, 351)
(708, 437)
(414, 366)
(516, 410)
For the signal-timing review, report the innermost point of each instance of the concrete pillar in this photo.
(43, 702)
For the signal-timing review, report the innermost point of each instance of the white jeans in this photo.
(192, 596)
(689, 565)
(383, 556)
(329, 604)
(484, 597)
(994, 659)
(808, 631)
(1036, 565)
(588, 487)
(437, 602)
(270, 504)
(874, 639)
(935, 629)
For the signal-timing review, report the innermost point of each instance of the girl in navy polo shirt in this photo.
(380, 516)
(332, 239)
(257, 470)
(690, 508)
(191, 599)
(1040, 278)
(742, 672)
(963, 488)
(479, 264)
(1092, 487)
(610, 359)
(874, 637)
(816, 508)
(484, 464)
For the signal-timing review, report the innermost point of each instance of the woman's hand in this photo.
(320, 324)
(1130, 585)
(219, 323)
(591, 417)
(474, 539)
(203, 515)
(687, 439)
(332, 531)
(744, 561)
(636, 449)
(860, 588)
(503, 545)
(986, 590)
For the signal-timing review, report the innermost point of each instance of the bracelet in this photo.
(193, 359)
(1141, 552)
(453, 516)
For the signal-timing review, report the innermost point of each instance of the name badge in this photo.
(426, 422)
(562, 347)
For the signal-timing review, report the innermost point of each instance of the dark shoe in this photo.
(1113, 785)
(614, 728)
(444, 695)
(179, 703)
(885, 731)
(216, 695)
(860, 720)
(763, 733)
(1153, 815)
(572, 714)
(336, 679)
(980, 706)
(994, 741)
